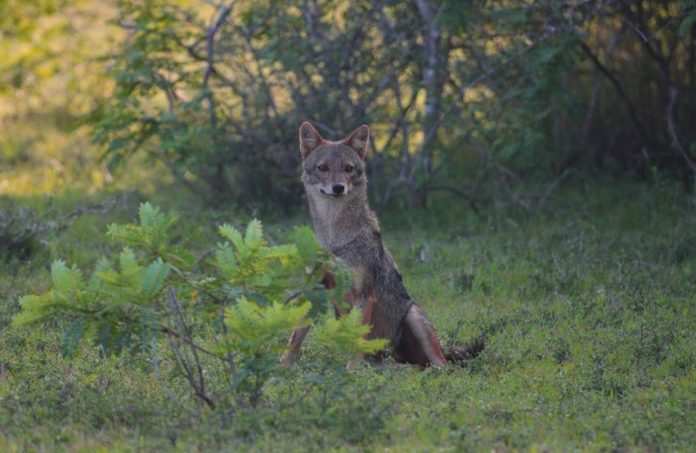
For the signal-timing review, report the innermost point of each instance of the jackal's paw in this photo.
(288, 358)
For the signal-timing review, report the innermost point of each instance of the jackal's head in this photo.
(334, 169)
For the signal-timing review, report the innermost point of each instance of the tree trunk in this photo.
(432, 82)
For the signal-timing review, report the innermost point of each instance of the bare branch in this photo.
(669, 115)
(196, 378)
(210, 57)
(619, 89)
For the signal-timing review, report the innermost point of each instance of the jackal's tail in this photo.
(468, 351)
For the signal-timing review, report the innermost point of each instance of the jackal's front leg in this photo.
(366, 304)
(294, 345)
(298, 335)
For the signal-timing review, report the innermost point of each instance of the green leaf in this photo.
(155, 276)
(283, 253)
(254, 234)
(225, 260)
(305, 241)
(260, 280)
(346, 336)
(67, 282)
(95, 282)
(34, 308)
(233, 235)
(252, 328)
(127, 262)
(689, 10)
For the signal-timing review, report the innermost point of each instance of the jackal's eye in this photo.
(323, 168)
(348, 168)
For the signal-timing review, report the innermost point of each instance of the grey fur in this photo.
(347, 227)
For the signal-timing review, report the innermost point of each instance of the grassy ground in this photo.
(587, 307)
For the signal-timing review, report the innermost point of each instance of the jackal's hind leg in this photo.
(419, 343)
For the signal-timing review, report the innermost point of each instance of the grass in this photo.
(587, 306)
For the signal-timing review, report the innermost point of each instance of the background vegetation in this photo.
(533, 164)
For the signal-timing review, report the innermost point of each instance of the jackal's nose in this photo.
(338, 188)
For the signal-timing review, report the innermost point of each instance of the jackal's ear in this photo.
(359, 140)
(309, 139)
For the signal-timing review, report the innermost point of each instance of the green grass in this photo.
(587, 306)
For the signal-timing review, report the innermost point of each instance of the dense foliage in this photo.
(463, 97)
(258, 295)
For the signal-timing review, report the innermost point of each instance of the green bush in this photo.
(245, 300)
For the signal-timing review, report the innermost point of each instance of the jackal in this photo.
(336, 185)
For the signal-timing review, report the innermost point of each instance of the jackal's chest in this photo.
(330, 226)
(330, 236)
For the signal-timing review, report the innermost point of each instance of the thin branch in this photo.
(185, 331)
(178, 336)
(210, 41)
(619, 89)
(669, 114)
(167, 388)
(210, 58)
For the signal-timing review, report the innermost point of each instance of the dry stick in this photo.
(229, 358)
(173, 396)
(669, 114)
(552, 187)
(478, 182)
(180, 177)
(609, 52)
(504, 170)
(210, 52)
(171, 296)
(654, 52)
(210, 44)
(183, 362)
(586, 124)
(673, 91)
(619, 89)
(178, 336)
(185, 331)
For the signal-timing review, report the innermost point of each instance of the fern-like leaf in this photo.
(283, 253)
(127, 261)
(67, 281)
(225, 260)
(233, 235)
(254, 234)
(346, 336)
(306, 242)
(153, 281)
(252, 328)
(34, 309)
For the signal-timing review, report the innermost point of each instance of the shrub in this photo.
(243, 302)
